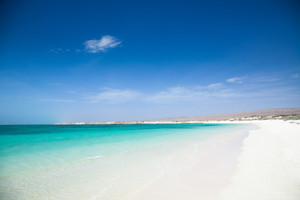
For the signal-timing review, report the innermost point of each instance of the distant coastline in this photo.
(268, 114)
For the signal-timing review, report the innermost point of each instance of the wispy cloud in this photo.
(170, 95)
(235, 80)
(256, 87)
(213, 86)
(113, 96)
(101, 45)
(197, 93)
(264, 79)
(295, 76)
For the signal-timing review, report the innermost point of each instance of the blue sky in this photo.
(69, 61)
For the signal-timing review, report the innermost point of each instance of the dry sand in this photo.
(269, 165)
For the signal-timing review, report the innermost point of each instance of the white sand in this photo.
(269, 166)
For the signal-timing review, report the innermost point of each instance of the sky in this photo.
(98, 61)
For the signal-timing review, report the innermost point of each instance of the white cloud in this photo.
(175, 94)
(101, 45)
(171, 94)
(264, 79)
(235, 80)
(214, 86)
(113, 96)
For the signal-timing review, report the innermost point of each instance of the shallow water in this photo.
(97, 161)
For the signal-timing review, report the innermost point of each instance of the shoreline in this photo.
(187, 166)
(258, 161)
(214, 164)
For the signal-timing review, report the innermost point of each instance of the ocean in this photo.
(99, 161)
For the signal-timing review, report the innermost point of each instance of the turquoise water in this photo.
(107, 162)
(27, 148)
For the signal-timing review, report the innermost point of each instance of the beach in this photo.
(269, 164)
(232, 160)
(150, 100)
(262, 165)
